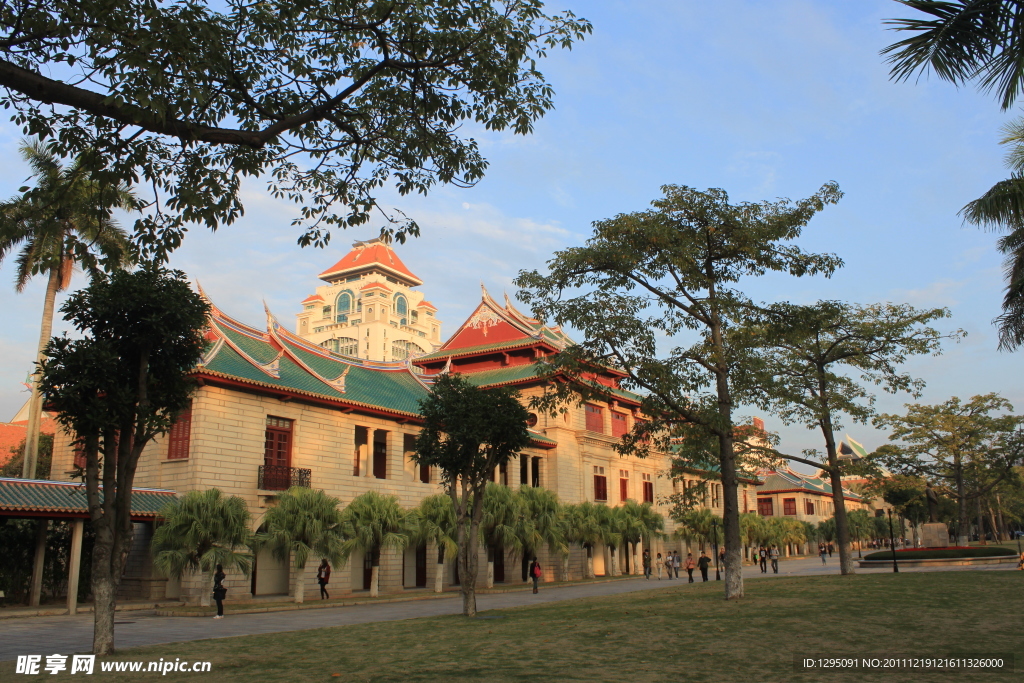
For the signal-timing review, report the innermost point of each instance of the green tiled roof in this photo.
(512, 373)
(257, 349)
(540, 438)
(479, 348)
(787, 481)
(68, 498)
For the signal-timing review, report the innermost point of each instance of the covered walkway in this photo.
(44, 500)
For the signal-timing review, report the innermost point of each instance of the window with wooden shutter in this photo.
(623, 485)
(79, 456)
(277, 446)
(765, 508)
(600, 484)
(595, 418)
(179, 438)
(619, 427)
(648, 488)
(809, 507)
(789, 506)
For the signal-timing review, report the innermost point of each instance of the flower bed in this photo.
(941, 553)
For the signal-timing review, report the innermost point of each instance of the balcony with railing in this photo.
(278, 478)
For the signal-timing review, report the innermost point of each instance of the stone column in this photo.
(75, 559)
(37, 564)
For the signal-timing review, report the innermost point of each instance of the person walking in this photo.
(323, 577)
(690, 565)
(535, 573)
(774, 555)
(668, 565)
(703, 563)
(676, 562)
(721, 557)
(831, 549)
(762, 556)
(219, 591)
(661, 565)
(822, 551)
(647, 564)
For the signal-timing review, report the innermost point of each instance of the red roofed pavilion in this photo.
(367, 257)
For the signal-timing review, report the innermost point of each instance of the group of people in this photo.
(764, 554)
(672, 562)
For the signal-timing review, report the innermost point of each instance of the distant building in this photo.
(12, 433)
(786, 493)
(368, 308)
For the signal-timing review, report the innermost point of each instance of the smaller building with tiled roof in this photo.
(22, 498)
(809, 498)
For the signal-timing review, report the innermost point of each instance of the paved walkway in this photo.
(68, 635)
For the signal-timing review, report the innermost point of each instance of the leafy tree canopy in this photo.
(333, 98)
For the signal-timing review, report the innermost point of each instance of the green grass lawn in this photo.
(685, 633)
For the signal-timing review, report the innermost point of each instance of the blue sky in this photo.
(762, 99)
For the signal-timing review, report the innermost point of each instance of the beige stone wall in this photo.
(227, 448)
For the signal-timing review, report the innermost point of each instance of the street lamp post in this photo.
(892, 541)
(714, 540)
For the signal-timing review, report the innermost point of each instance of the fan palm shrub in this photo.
(199, 531)
(503, 525)
(374, 522)
(303, 523)
(639, 522)
(611, 537)
(436, 524)
(584, 529)
(544, 521)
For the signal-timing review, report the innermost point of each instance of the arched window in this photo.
(401, 305)
(343, 305)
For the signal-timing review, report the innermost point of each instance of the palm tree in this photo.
(584, 529)
(503, 525)
(753, 529)
(980, 41)
(374, 522)
(437, 525)
(860, 528)
(544, 521)
(1002, 208)
(639, 522)
(303, 522)
(699, 525)
(65, 220)
(201, 530)
(611, 537)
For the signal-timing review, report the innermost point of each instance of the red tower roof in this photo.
(366, 256)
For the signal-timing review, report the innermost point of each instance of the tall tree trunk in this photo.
(468, 547)
(1003, 532)
(35, 402)
(730, 496)
(439, 576)
(375, 581)
(300, 585)
(110, 553)
(981, 522)
(992, 520)
(962, 517)
(205, 588)
(839, 503)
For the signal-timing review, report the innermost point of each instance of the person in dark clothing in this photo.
(763, 557)
(219, 591)
(721, 557)
(690, 565)
(323, 577)
(647, 565)
(535, 573)
(703, 563)
(831, 549)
